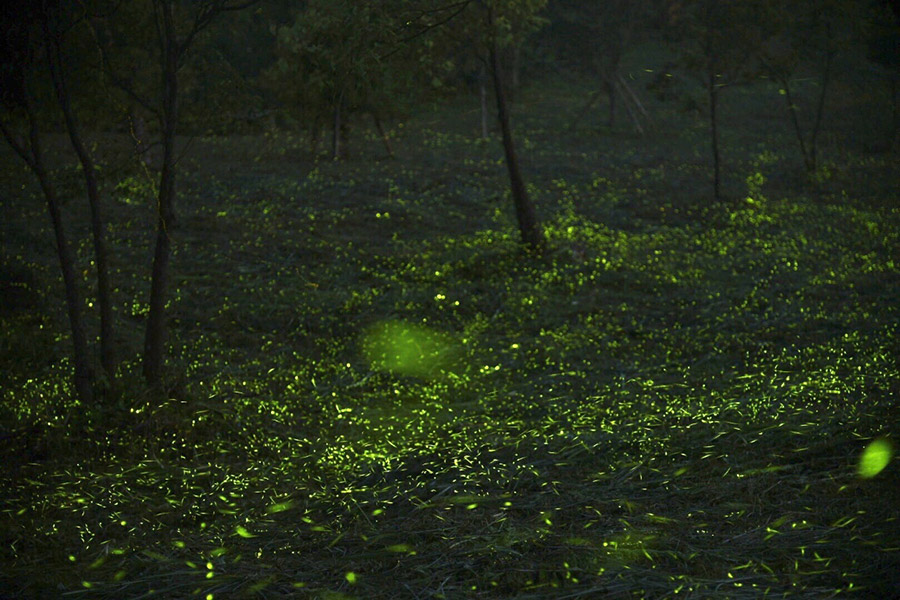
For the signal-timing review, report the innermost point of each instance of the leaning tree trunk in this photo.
(104, 295)
(482, 91)
(83, 375)
(155, 338)
(895, 112)
(795, 121)
(34, 158)
(385, 138)
(337, 125)
(611, 95)
(529, 227)
(713, 92)
(820, 107)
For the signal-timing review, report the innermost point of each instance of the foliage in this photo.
(349, 54)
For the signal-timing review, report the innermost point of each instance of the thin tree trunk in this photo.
(895, 112)
(529, 227)
(482, 88)
(155, 338)
(141, 139)
(714, 132)
(795, 119)
(591, 101)
(820, 107)
(33, 157)
(83, 376)
(314, 134)
(611, 94)
(336, 126)
(382, 133)
(104, 295)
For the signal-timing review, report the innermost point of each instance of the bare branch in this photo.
(205, 16)
(459, 6)
(117, 81)
(17, 146)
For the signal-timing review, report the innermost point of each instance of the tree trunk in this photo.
(611, 94)
(155, 338)
(83, 376)
(820, 107)
(142, 146)
(895, 112)
(382, 133)
(592, 99)
(795, 120)
(529, 227)
(482, 88)
(714, 132)
(104, 295)
(314, 134)
(33, 157)
(336, 127)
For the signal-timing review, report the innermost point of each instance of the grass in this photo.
(671, 402)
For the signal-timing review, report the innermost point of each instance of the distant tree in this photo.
(340, 57)
(339, 51)
(716, 40)
(488, 28)
(500, 15)
(26, 93)
(174, 27)
(594, 36)
(464, 44)
(806, 32)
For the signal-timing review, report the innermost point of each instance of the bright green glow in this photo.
(407, 349)
(279, 507)
(875, 458)
(242, 531)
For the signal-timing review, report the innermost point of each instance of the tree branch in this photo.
(399, 44)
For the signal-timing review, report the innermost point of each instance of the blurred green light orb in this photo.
(875, 458)
(407, 349)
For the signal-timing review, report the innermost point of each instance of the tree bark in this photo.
(155, 338)
(611, 94)
(530, 229)
(820, 107)
(34, 158)
(795, 120)
(104, 295)
(482, 89)
(83, 377)
(714, 134)
(713, 98)
(337, 124)
(142, 146)
(895, 112)
(385, 139)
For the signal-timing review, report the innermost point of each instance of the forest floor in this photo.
(672, 401)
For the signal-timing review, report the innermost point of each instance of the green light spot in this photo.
(875, 458)
(351, 577)
(279, 507)
(242, 531)
(408, 349)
